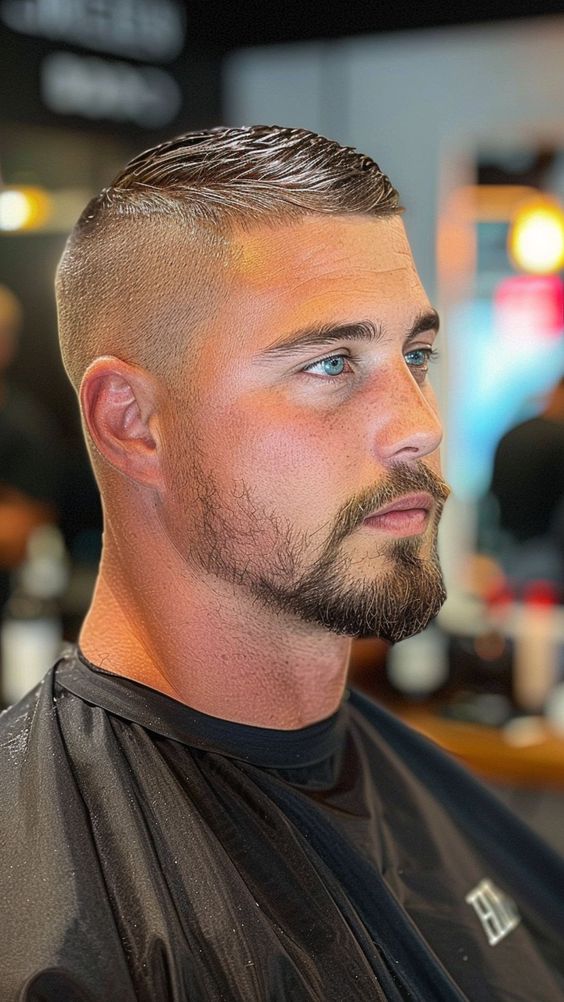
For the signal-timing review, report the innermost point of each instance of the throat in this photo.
(212, 657)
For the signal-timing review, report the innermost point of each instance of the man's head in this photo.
(244, 319)
(164, 226)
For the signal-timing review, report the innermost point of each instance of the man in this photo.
(528, 486)
(195, 808)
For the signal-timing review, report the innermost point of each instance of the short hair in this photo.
(114, 279)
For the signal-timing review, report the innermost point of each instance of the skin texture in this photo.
(224, 496)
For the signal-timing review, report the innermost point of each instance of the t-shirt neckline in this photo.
(163, 715)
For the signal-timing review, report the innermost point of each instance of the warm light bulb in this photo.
(23, 208)
(14, 210)
(536, 238)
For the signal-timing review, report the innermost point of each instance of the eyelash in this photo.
(430, 356)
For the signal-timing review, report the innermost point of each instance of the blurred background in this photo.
(463, 108)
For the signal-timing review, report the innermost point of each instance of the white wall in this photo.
(411, 100)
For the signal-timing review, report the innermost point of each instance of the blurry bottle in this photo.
(480, 655)
(31, 635)
(554, 709)
(536, 647)
(418, 667)
(493, 646)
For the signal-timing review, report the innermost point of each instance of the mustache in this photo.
(403, 478)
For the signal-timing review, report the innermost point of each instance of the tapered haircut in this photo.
(148, 260)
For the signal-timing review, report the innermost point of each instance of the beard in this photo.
(400, 602)
(237, 540)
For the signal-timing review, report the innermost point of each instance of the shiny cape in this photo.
(150, 852)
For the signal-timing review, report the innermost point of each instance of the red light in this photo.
(529, 307)
(541, 594)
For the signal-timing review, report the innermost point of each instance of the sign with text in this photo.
(105, 63)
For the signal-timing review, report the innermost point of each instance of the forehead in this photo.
(320, 244)
(323, 269)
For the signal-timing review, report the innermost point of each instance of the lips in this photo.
(409, 502)
(406, 516)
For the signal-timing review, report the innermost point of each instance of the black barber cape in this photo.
(151, 852)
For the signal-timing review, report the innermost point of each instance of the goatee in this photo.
(397, 602)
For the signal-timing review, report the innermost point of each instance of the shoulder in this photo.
(54, 914)
(431, 777)
(25, 747)
(539, 429)
(519, 434)
(16, 721)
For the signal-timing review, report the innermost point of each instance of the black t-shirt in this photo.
(151, 852)
(528, 477)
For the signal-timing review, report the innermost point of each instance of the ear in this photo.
(119, 406)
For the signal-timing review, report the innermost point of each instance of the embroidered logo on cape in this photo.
(496, 911)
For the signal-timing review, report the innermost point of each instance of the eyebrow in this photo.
(363, 330)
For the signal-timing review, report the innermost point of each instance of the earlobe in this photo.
(118, 402)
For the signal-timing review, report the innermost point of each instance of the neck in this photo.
(555, 409)
(201, 642)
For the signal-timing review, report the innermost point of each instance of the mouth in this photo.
(406, 516)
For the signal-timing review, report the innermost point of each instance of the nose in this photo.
(407, 425)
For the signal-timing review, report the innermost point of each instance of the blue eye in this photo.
(332, 366)
(419, 359)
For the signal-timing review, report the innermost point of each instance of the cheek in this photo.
(292, 460)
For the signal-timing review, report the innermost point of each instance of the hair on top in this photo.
(169, 213)
(249, 171)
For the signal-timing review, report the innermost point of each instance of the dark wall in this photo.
(27, 266)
